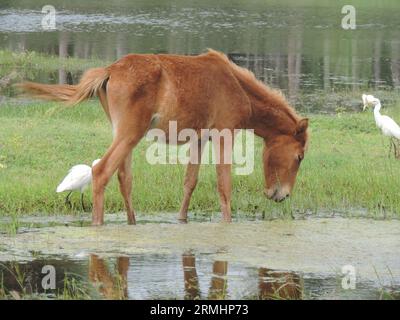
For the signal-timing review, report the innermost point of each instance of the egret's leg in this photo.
(83, 204)
(393, 143)
(68, 201)
(397, 153)
(391, 146)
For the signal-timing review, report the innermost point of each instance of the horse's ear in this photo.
(302, 126)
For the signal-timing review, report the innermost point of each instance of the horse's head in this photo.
(282, 157)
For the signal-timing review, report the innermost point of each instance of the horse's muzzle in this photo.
(277, 194)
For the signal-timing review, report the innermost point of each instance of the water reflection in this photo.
(111, 286)
(187, 276)
(272, 284)
(191, 280)
(218, 284)
(279, 285)
(219, 281)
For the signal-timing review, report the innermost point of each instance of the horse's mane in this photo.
(274, 98)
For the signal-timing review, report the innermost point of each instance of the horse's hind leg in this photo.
(124, 170)
(103, 171)
(125, 186)
(191, 175)
(130, 130)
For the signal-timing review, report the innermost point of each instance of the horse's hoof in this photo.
(182, 220)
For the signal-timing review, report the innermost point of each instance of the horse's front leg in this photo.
(223, 151)
(225, 188)
(191, 175)
(189, 184)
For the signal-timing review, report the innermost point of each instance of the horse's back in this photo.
(195, 91)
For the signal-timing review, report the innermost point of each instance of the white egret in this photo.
(78, 178)
(387, 125)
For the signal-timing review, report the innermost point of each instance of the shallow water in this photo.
(298, 46)
(246, 259)
(176, 276)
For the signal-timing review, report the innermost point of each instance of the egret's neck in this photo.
(377, 113)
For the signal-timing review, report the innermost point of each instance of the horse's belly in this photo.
(178, 129)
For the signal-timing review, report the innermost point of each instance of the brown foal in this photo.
(199, 92)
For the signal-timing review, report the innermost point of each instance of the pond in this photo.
(297, 46)
(159, 258)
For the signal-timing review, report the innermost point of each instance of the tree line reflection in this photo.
(290, 67)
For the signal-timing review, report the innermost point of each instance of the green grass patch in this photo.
(346, 168)
(33, 66)
(27, 60)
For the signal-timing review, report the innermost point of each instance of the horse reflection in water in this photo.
(192, 288)
(218, 285)
(272, 284)
(219, 282)
(110, 286)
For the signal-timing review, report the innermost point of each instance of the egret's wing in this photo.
(77, 177)
(390, 126)
(78, 167)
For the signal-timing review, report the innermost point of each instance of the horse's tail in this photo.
(91, 82)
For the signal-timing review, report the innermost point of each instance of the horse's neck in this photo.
(271, 115)
(270, 111)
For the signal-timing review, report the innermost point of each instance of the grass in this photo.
(30, 60)
(346, 168)
(73, 287)
(31, 65)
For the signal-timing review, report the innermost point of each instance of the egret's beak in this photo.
(365, 101)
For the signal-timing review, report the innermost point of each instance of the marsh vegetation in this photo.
(347, 167)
